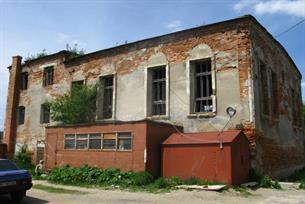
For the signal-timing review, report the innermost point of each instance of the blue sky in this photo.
(28, 27)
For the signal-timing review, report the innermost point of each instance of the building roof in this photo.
(203, 137)
(127, 45)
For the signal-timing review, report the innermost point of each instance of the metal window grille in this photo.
(158, 91)
(203, 87)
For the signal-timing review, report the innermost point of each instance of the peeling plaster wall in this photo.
(228, 46)
(32, 132)
(279, 143)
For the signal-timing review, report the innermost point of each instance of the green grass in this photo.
(51, 189)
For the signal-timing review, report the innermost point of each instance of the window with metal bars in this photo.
(24, 80)
(158, 91)
(203, 100)
(107, 84)
(48, 75)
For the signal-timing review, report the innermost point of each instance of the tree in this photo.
(77, 107)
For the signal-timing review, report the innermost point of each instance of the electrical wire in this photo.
(289, 29)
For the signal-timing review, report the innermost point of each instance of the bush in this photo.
(267, 182)
(96, 176)
(23, 158)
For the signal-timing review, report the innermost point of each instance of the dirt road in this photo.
(94, 196)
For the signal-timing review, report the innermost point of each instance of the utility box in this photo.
(222, 157)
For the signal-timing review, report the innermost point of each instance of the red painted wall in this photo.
(208, 161)
(240, 155)
(205, 161)
(146, 135)
(156, 134)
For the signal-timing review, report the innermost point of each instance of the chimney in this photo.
(10, 124)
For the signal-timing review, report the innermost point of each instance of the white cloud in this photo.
(175, 25)
(303, 84)
(243, 4)
(288, 7)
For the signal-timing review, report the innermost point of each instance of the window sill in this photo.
(158, 117)
(97, 150)
(202, 115)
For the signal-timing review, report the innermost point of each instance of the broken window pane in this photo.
(158, 91)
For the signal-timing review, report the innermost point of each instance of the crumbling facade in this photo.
(187, 78)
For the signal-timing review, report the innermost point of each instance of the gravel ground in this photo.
(94, 196)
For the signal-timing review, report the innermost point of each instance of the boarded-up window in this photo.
(124, 141)
(20, 115)
(48, 75)
(158, 91)
(109, 141)
(24, 80)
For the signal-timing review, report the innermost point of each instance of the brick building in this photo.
(186, 79)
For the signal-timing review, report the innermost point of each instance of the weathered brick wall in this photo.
(227, 44)
(278, 140)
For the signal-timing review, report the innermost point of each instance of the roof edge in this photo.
(156, 37)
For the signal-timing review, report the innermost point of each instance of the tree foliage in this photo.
(77, 107)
